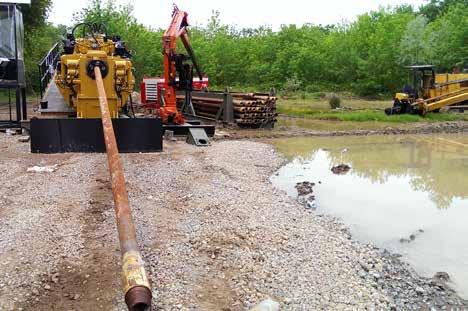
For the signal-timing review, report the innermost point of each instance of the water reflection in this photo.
(397, 187)
(436, 165)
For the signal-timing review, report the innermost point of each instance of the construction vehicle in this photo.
(69, 116)
(429, 92)
(178, 68)
(75, 76)
(178, 77)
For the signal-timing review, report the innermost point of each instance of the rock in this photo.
(24, 139)
(439, 302)
(362, 274)
(42, 169)
(364, 265)
(341, 169)
(267, 305)
(10, 132)
(312, 204)
(306, 195)
(442, 276)
(169, 135)
(304, 188)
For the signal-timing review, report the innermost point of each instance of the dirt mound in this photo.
(341, 169)
(305, 194)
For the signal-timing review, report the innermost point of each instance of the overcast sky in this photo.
(244, 13)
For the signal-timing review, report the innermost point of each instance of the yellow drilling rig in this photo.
(75, 73)
(69, 116)
(429, 91)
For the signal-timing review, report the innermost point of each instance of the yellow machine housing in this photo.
(76, 84)
(430, 91)
(446, 83)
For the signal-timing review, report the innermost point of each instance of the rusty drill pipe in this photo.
(135, 281)
(206, 104)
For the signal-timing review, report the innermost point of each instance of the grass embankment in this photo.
(353, 110)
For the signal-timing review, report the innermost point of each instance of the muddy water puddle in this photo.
(408, 194)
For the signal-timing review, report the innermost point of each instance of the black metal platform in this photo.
(86, 135)
(183, 130)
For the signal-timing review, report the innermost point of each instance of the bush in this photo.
(313, 88)
(292, 85)
(334, 101)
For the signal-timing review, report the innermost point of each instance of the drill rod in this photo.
(135, 282)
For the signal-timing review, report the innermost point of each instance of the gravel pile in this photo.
(214, 233)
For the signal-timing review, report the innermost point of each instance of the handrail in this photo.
(47, 66)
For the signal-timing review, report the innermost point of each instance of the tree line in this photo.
(365, 56)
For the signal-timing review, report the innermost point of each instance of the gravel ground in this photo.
(214, 233)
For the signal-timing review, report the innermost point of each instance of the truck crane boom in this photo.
(176, 66)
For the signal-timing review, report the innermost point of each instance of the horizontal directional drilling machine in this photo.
(429, 91)
(75, 73)
(69, 116)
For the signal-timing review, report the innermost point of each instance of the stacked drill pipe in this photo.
(249, 109)
(254, 109)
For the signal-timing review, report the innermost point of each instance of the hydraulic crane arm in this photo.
(173, 63)
(191, 54)
(178, 29)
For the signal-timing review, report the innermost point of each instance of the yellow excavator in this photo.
(429, 92)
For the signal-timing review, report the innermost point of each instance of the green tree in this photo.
(374, 40)
(39, 36)
(35, 14)
(414, 46)
(448, 38)
(435, 8)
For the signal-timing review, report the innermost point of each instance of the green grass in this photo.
(4, 97)
(380, 116)
(355, 110)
